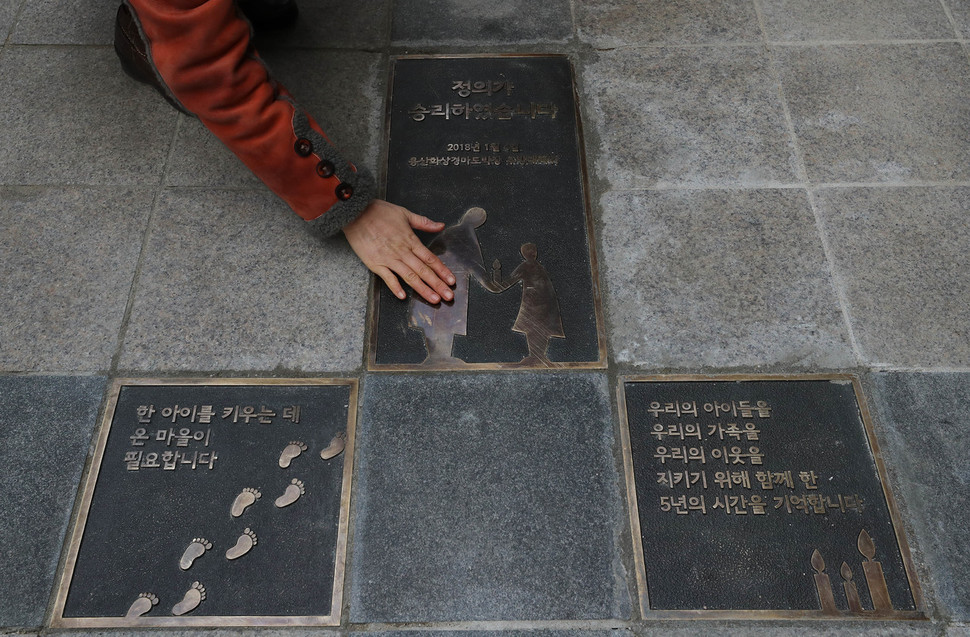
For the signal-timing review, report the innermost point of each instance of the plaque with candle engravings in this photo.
(492, 147)
(761, 496)
(214, 502)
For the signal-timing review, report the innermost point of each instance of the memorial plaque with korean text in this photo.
(761, 496)
(214, 503)
(492, 147)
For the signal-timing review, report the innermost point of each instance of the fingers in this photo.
(419, 222)
(391, 282)
(433, 262)
(428, 276)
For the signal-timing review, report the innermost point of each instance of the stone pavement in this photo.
(777, 186)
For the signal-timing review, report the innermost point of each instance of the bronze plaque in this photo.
(492, 147)
(761, 497)
(214, 503)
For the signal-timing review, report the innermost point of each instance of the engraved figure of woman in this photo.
(458, 248)
(538, 317)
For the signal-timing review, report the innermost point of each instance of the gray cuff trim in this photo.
(365, 188)
(343, 212)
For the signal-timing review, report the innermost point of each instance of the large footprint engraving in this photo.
(193, 597)
(293, 492)
(243, 500)
(194, 551)
(142, 605)
(336, 446)
(291, 452)
(243, 545)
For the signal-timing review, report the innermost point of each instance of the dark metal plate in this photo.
(764, 495)
(492, 147)
(214, 503)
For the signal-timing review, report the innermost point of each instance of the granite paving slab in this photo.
(719, 278)
(924, 418)
(334, 24)
(439, 22)
(233, 280)
(71, 116)
(508, 633)
(790, 628)
(687, 117)
(66, 22)
(958, 630)
(487, 497)
(960, 10)
(342, 90)
(826, 20)
(8, 15)
(880, 113)
(901, 255)
(69, 259)
(612, 23)
(47, 423)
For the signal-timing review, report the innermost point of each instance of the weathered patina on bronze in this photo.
(214, 502)
(491, 145)
(743, 492)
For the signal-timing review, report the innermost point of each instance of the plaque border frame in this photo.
(634, 515)
(57, 619)
(373, 293)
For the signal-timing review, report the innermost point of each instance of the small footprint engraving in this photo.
(291, 452)
(293, 492)
(243, 500)
(142, 605)
(244, 544)
(194, 551)
(193, 597)
(336, 446)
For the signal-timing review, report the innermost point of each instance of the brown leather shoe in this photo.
(133, 54)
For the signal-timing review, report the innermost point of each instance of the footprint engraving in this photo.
(243, 500)
(193, 597)
(293, 492)
(142, 605)
(291, 452)
(336, 446)
(243, 545)
(194, 551)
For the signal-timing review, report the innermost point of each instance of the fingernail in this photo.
(400, 295)
(435, 298)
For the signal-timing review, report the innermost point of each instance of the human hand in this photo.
(384, 240)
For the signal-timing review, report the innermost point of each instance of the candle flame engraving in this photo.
(846, 572)
(817, 562)
(866, 546)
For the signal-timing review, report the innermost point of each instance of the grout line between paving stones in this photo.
(801, 172)
(956, 29)
(133, 289)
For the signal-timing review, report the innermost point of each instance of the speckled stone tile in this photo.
(437, 22)
(719, 279)
(960, 10)
(232, 280)
(66, 22)
(203, 632)
(611, 23)
(487, 497)
(506, 633)
(880, 113)
(69, 256)
(791, 629)
(688, 117)
(71, 116)
(46, 423)
(958, 630)
(8, 14)
(924, 438)
(342, 90)
(902, 256)
(334, 24)
(799, 20)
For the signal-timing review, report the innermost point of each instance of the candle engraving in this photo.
(823, 586)
(875, 578)
(851, 592)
